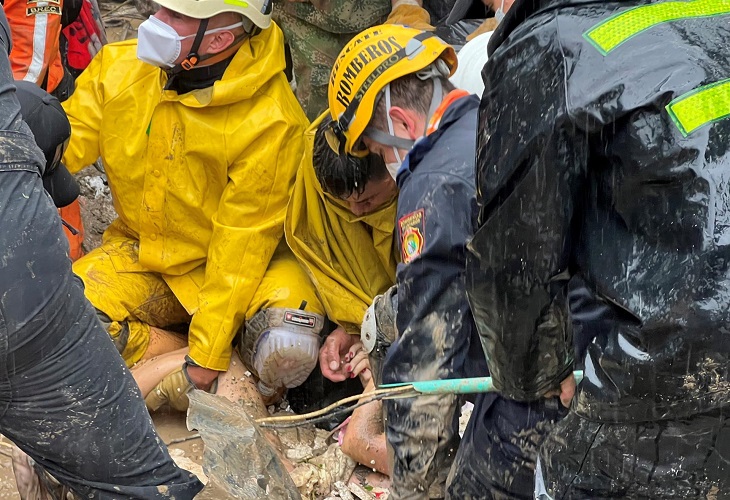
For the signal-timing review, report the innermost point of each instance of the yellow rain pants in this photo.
(135, 299)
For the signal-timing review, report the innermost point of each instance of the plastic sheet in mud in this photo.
(238, 459)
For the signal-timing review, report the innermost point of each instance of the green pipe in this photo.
(459, 385)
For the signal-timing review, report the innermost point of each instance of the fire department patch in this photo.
(411, 227)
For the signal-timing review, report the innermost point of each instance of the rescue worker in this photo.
(389, 94)
(602, 171)
(200, 136)
(68, 401)
(36, 30)
(350, 199)
(315, 232)
(316, 32)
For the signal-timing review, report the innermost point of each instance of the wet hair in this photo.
(408, 92)
(343, 175)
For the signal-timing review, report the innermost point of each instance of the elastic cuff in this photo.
(204, 360)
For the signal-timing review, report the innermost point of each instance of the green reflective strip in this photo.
(237, 3)
(701, 106)
(620, 27)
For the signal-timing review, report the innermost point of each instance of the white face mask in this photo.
(159, 44)
(499, 13)
(393, 167)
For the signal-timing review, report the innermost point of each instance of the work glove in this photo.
(173, 390)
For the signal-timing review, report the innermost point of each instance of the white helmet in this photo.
(258, 11)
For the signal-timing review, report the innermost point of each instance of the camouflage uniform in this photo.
(316, 31)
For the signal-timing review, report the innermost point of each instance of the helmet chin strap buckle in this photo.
(193, 58)
(190, 61)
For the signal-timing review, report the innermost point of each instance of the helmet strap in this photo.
(389, 138)
(391, 129)
(436, 98)
(193, 58)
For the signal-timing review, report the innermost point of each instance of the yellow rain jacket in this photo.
(201, 180)
(350, 259)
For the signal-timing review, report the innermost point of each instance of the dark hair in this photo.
(343, 175)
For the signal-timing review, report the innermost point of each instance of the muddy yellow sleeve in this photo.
(247, 228)
(84, 109)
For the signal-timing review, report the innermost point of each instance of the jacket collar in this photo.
(453, 114)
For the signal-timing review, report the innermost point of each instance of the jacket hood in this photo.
(259, 60)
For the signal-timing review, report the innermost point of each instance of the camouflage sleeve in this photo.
(338, 16)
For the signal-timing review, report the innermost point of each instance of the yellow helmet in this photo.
(372, 60)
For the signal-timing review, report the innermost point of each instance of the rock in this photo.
(178, 456)
(344, 491)
(360, 492)
(318, 476)
(146, 7)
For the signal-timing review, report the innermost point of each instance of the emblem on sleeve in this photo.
(411, 228)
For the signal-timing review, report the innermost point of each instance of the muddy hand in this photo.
(332, 354)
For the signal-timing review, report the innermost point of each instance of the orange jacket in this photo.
(35, 27)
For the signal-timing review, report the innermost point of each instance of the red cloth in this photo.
(85, 37)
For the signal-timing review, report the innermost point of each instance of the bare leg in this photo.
(240, 388)
(233, 385)
(163, 342)
(148, 373)
(364, 439)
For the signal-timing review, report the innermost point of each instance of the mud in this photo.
(7, 481)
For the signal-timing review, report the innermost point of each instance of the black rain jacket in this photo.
(603, 167)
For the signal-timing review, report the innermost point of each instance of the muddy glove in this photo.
(173, 390)
(379, 330)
